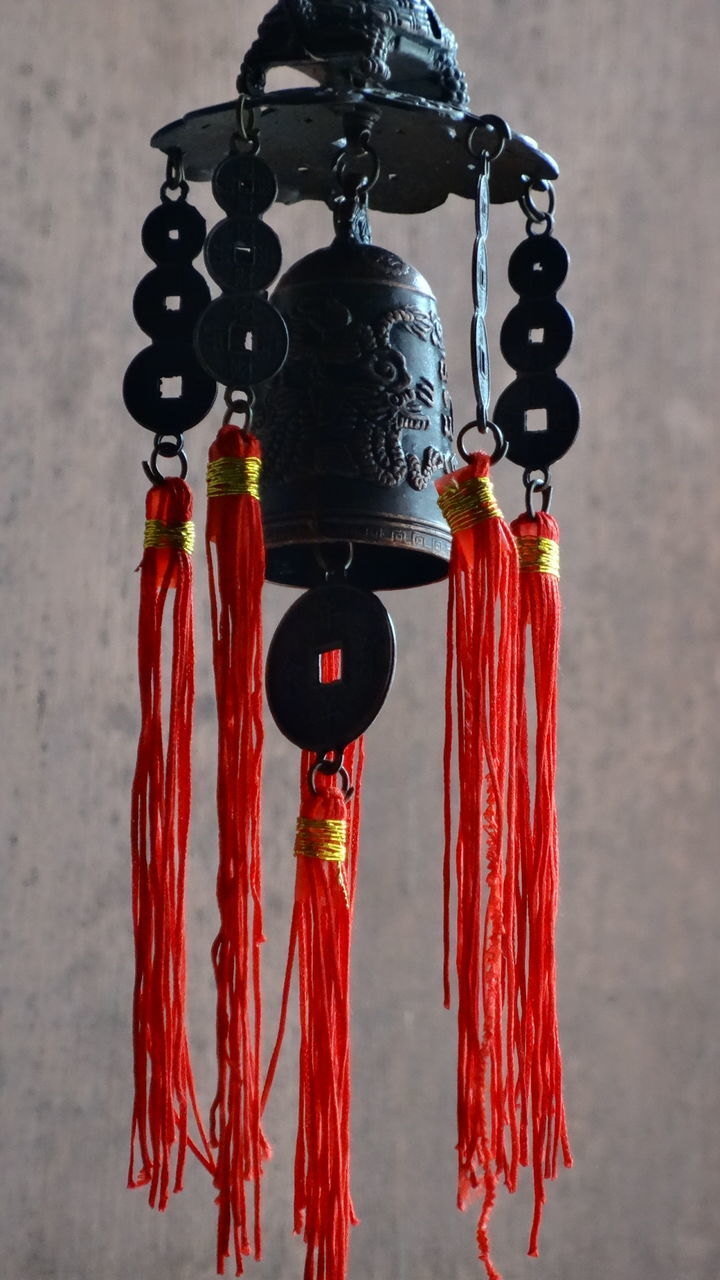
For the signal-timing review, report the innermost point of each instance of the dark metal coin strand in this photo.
(165, 389)
(538, 413)
(241, 339)
(479, 343)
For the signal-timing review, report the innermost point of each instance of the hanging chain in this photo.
(486, 143)
(537, 484)
(170, 444)
(174, 176)
(172, 236)
(241, 338)
(538, 218)
(357, 169)
(239, 401)
(538, 412)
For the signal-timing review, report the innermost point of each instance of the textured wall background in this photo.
(626, 97)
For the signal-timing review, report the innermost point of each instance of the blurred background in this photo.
(626, 98)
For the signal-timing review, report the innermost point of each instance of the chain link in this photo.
(494, 133)
(536, 217)
(541, 484)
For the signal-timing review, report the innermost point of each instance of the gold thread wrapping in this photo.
(180, 537)
(229, 476)
(467, 504)
(324, 838)
(539, 555)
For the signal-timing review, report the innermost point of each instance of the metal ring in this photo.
(491, 124)
(537, 484)
(169, 448)
(342, 775)
(541, 227)
(181, 189)
(174, 168)
(528, 205)
(331, 570)
(154, 475)
(331, 768)
(245, 116)
(529, 478)
(501, 444)
(245, 146)
(239, 401)
(247, 393)
(365, 182)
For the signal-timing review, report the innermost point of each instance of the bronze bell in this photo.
(357, 425)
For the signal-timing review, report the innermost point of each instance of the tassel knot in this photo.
(236, 566)
(467, 499)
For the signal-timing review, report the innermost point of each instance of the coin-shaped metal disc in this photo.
(168, 410)
(538, 445)
(174, 232)
(538, 267)
(330, 666)
(169, 300)
(241, 340)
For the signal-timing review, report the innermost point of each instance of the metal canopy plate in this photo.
(422, 147)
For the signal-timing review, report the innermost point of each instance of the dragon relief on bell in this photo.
(400, 45)
(354, 393)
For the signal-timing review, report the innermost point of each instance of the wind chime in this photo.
(335, 469)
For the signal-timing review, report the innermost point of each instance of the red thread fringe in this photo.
(236, 566)
(540, 1084)
(482, 642)
(164, 1087)
(321, 933)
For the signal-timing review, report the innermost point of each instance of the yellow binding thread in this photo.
(326, 839)
(468, 504)
(539, 555)
(227, 477)
(179, 537)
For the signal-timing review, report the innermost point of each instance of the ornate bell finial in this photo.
(398, 45)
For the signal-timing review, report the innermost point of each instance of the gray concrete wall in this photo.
(626, 97)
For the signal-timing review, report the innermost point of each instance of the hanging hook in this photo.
(352, 181)
(239, 400)
(246, 136)
(166, 448)
(536, 217)
(174, 178)
(501, 444)
(499, 132)
(537, 484)
(343, 559)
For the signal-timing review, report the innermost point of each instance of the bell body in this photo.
(357, 425)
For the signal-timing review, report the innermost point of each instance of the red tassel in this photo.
(164, 1088)
(326, 850)
(541, 1081)
(236, 565)
(482, 641)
